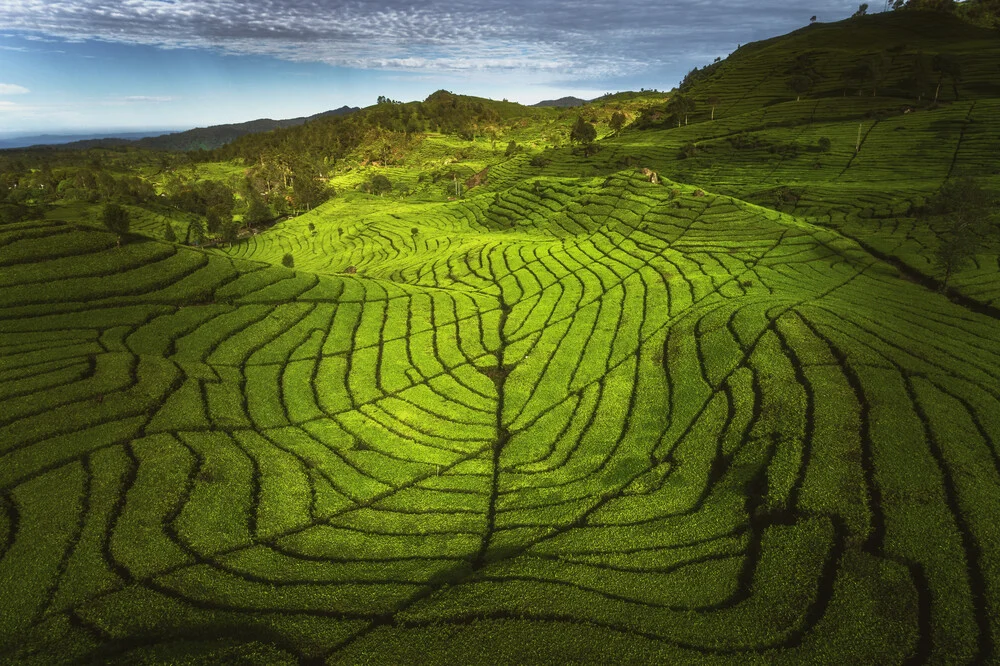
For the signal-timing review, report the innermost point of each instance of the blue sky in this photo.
(91, 65)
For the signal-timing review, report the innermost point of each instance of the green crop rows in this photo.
(574, 416)
(660, 418)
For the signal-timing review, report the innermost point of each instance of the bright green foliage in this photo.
(583, 414)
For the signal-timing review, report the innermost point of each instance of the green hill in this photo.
(696, 393)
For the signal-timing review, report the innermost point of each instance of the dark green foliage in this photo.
(680, 107)
(257, 212)
(308, 191)
(947, 67)
(169, 234)
(583, 131)
(288, 261)
(378, 184)
(116, 219)
(800, 84)
(197, 231)
(230, 231)
(511, 148)
(688, 150)
(617, 121)
(823, 144)
(970, 224)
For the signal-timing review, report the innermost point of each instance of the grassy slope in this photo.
(571, 416)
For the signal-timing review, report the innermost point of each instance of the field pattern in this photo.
(592, 419)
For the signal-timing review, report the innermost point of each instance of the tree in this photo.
(583, 132)
(307, 192)
(379, 184)
(169, 234)
(197, 231)
(680, 106)
(257, 211)
(714, 102)
(946, 66)
(800, 85)
(953, 253)
(920, 75)
(511, 148)
(823, 144)
(116, 219)
(217, 216)
(878, 70)
(288, 261)
(617, 121)
(856, 76)
(812, 19)
(230, 231)
(862, 10)
(966, 206)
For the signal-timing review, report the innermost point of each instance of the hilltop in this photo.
(708, 376)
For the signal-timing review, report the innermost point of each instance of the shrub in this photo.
(379, 185)
(823, 144)
(511, 148)
(169, 234)
(539, 161)
(288, 261)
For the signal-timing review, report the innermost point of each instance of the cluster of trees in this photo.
(985, 13)
(926, 73)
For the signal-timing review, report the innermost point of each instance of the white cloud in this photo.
(12, 89)
(574, 39)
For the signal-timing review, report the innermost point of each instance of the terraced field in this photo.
(574, 416)
(586, 419)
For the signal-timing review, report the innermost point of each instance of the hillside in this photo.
(562, 102)
(200, 138)
(696, 392)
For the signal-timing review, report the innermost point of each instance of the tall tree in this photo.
(116, 219)
(714, 102)
(680, 106)
(583, 132)
(967, 209)
(946, 66)
(617, 121)
(800, 85)
(878, 70)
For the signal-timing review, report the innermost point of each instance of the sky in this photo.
(74, 66)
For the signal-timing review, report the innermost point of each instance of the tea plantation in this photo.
(730, 413)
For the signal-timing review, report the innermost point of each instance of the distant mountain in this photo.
(200, 138)
(562, 102)
(208, 138)
(56, 139)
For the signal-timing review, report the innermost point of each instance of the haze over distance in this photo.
(86, 66)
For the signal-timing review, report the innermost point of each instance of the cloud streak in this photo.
(568, 39)
(12, 89)
(149, 98)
